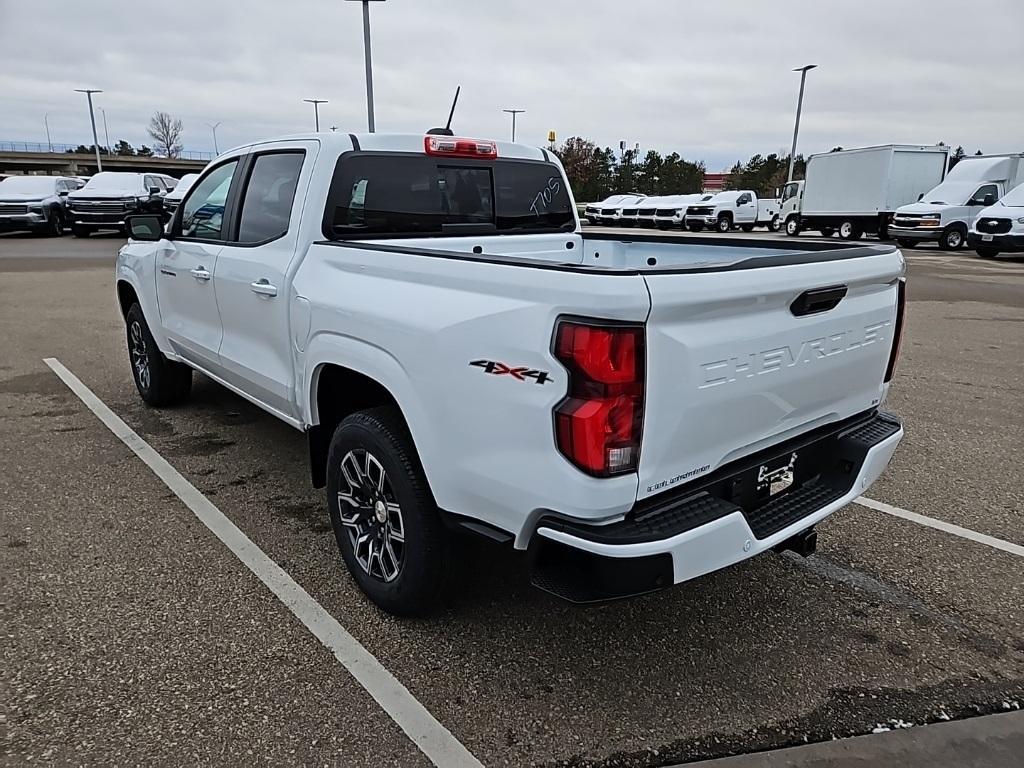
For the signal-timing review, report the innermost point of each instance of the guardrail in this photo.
(37, 146)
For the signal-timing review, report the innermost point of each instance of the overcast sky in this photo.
(709, 80)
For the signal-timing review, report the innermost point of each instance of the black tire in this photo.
(904, 242)
(747, 227)
(724, 223)
(419, 572)
(160, 381)
(827, 231)
(952, 239)
(55, 224)
(987, 253)
(850, 230)
(695, 226)
(793, 226)
(774, 225)
(80, 231)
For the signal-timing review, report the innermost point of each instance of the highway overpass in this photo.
(65, 163)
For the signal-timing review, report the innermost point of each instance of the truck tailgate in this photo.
(732, 370)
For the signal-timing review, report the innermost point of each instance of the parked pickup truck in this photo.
(631, 413)
(35, 203)
(671, 211)
(108, 197)
(736, 208)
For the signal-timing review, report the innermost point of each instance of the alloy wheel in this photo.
(371, 515)
(140, 356)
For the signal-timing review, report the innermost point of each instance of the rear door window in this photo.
(382, 195)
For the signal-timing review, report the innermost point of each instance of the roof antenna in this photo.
(447, 130)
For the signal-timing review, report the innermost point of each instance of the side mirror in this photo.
(988, 200)
(146, 228)
(154, 190)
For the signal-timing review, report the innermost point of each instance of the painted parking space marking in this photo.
(425, 731)
(942, 525)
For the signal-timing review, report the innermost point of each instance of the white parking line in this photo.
(941, 525)
(432, 738)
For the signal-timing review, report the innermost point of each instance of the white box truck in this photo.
(856, 191)
(945, 213)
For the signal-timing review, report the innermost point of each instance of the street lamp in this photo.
(106, 134)
(799, 106)
(92, 118)
(514, 112)
(46, 122)
(369, 61)
(213, 127)
(316, 110)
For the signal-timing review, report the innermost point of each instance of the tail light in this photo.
(599, 424)
(897, 333)
(449, 146)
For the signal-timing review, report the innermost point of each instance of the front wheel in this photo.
(987, 253)
(383, 514)
(80, 231)
(827, 231)
(747, 227)
(54, 224)
(952, 239)
(904, 242)
(792, 226)
(724, 224)
(695, 226)
(160, 381)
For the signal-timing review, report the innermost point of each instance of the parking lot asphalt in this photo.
(131, 635)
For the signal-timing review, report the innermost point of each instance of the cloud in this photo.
(709, 80)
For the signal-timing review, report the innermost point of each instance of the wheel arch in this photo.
(349, 376)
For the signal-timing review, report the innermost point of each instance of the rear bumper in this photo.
(915, 233)
(1006, 243)
(696, 531)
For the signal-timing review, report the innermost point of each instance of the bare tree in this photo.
(166, 132)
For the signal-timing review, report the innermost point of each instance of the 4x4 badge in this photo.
(519, 373)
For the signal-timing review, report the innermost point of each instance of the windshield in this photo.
(183, 185)
(28, 185)
(1014, 198)
(951, 193)
(109, 180)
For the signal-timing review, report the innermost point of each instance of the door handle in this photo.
(200, 273)
(263, 287)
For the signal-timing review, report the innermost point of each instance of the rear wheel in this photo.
(903, 242)
(79, 231)
(987, 253)
(160, 381)
(724, 223)
(383, 514)
(849, 230)
(952, 239)
(827, 231)
(793, 226)
(774, 224)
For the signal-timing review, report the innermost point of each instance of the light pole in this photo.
(106, 135)
(514, 112)
(213, 127)
(46, 122)
(316, 110)
(92, 118)
(799, 106)
(369, 61)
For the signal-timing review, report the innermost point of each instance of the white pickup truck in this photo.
(631, 412)
(735, 208)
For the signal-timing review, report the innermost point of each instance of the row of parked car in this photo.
(49, 205)
(721, 212)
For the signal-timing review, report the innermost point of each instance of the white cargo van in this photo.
(945, 213)
(856, 191)
(1000, 227)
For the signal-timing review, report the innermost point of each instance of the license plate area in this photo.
(776, 476)
(987, 238)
